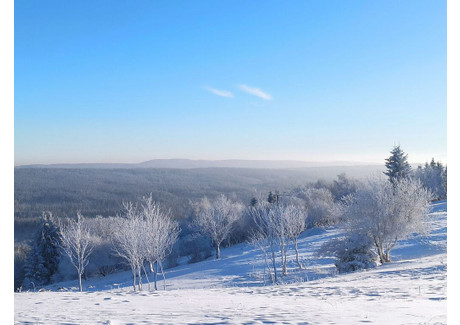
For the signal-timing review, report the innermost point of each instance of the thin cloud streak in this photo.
(218, 92)
(255, 91)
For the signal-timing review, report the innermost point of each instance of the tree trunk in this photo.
(217, 251)
(134, 278)
(387, 256)
(272, 280)
(139, 280)
(146, 276)
(274, 262)
(283, 257)
(163, 274)
(297, 254)
(380, 252)
(155, 276)
(79, 281)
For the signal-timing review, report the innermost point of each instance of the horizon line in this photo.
(318, 162)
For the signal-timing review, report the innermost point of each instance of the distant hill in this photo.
(189, 164)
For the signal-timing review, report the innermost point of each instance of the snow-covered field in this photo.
(410, 290)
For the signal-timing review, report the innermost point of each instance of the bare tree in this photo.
(288, 222)
(260, 241)
(128, 241)
(216, 219)
(265, 233)
(295, 223)
(76, 243)
(160, 234)
(278, 222)
(387, 212)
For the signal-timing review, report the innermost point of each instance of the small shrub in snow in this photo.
(353, 253)
(357, 254)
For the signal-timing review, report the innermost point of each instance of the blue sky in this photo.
(129, 81)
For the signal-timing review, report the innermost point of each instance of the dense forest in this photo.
(101, 191)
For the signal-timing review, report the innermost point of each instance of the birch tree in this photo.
(76, 243)
(287, 222)
(265, 234)
(295, 223)
(160, 234)
(277, 219)
(128, 241)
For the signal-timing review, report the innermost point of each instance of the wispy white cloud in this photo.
(255, 91)
(219, 92)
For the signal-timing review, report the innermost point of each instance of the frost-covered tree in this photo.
(160, 234)
(265, 234)
(128, 241)
(433, 176)
(387, 212)
(102, 261)
(216, 219)
(295, 224)
(278, 220)
(21, 251)
(43, 259)
(275, 226)
(343, 186)
(397, 165)
(144, 233)
(320, 205)
(76, 243)
(260, 241)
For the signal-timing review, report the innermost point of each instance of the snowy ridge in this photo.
(410, 290)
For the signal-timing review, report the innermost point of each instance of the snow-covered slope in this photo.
(410, 290)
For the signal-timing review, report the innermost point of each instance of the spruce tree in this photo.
(397, 165)
(43, 259)
(271, 197)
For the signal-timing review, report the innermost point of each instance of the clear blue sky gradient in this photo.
(128, 81)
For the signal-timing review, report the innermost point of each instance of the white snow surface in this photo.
(410, 290)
